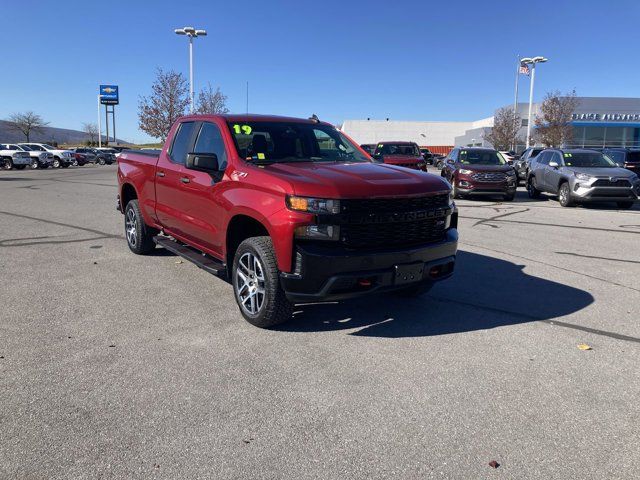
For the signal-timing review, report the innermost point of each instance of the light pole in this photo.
(532, 62)
(191, 33)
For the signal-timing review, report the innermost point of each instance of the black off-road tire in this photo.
(8, 164)
(101, 161)
(275, 309)
(564, 195)
(532, 191)
(140, 241)
(624, 205)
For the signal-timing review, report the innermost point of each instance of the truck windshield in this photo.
(587, 160)
(481, 157)
(398, 149)
(279, 142)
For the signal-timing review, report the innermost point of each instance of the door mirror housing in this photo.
(553, 164)
(203, 162)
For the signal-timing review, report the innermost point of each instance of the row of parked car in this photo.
(573, 175)
(42, 155)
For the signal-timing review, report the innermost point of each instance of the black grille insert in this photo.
(383, 235)
(620, 182)
(394, 205)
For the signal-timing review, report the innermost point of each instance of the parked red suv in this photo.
(479, 171)
(404, 154)
(289, 210)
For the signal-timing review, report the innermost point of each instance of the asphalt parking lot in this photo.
(116, 366)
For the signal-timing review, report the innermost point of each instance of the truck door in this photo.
(188, 201)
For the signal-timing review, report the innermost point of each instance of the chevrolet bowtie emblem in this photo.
(108, 90)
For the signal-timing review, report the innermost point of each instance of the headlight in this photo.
(318, 232)
(464, 171)
(583, 176)
(313, 205)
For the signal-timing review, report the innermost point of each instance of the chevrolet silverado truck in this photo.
(288, 211)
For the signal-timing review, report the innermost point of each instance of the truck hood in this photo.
(602, 172)
(356, 180)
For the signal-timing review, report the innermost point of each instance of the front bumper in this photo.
(467, 186)
(324, 273)
(584, 193)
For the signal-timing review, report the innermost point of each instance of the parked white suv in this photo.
(38, 159)
(13, 158)
(61, 158)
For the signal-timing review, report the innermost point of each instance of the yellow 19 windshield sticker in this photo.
(242, 129)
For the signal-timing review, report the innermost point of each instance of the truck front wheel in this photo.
(256, 284)
(139, 235)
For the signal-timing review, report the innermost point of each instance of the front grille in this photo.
(604, 182)
(393, 205)
(489, 176)
(376, 235)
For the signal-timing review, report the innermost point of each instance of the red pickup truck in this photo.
(288, 210)
(404, 154)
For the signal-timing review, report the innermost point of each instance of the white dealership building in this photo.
(597, 122)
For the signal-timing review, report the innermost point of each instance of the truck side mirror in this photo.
(553, 164)
(203, 162)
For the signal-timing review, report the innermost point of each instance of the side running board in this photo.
(203, 261)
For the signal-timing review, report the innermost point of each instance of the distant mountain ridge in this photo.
(48, 135)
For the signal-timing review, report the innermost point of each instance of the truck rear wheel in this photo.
(256, 284)
(139, 235)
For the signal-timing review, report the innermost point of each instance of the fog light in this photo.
(463, 183)
(318, 232)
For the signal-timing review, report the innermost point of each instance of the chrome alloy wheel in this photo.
(250, 283)
(131, 227)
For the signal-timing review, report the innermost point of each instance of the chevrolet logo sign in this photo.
(108, 90)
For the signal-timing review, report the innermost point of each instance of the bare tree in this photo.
(90, 129)
(27, 123)
(506, 125)
(212, 102)
(166, 103)
(553, 126)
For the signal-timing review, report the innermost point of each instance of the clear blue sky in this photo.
(410, 60)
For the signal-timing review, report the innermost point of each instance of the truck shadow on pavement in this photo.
(484, 292)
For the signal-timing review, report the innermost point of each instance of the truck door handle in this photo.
(185, 180)
(160, 174)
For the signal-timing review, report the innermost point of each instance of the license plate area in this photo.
(408, 273)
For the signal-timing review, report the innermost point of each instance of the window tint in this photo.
(182, 143)
(454, 155)
(556, 158)
(210, 141)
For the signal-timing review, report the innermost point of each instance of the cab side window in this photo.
(210, 141)
(182, 143)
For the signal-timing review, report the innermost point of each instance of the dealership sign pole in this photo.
(99, 125)
(109, 96)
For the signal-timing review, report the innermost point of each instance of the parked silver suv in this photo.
(581, 176)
